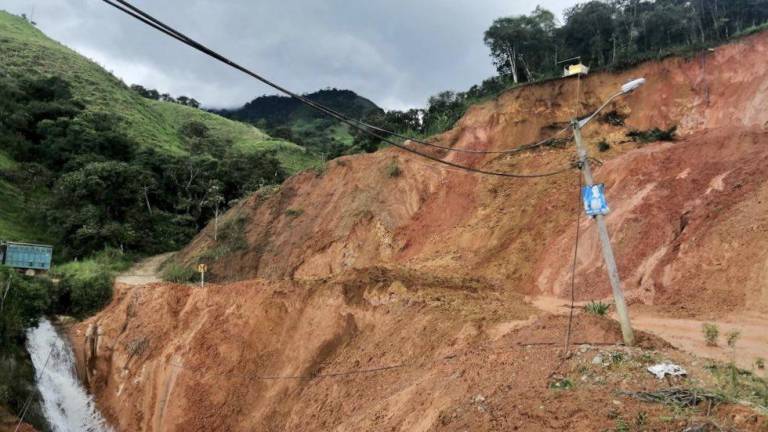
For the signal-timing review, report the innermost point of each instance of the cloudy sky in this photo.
(395, 52)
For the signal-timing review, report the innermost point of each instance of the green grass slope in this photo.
(26, 51)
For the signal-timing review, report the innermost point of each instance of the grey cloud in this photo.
(395, 52)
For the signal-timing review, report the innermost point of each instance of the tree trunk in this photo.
(511, 53)
(216, 224)
(146, 199)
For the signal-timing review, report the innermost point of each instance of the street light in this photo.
(632, 85)
(605, 240)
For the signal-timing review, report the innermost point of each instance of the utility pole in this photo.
(605, 240)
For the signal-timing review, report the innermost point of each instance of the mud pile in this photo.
(355, 299)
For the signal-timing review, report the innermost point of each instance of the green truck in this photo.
(28, 257)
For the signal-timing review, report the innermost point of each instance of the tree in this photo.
(589, 32)
(99, 205)
(523, 44)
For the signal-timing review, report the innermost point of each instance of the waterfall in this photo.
(66, 405)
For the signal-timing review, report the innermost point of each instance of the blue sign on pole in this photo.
(594, 200)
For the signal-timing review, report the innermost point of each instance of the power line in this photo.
(573, 271)
(168, 30)
(142, 16)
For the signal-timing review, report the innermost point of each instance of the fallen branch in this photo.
(678, 396)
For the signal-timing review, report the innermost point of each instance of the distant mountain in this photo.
(286, 118)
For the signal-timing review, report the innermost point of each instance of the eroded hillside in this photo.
(674, 202)
(380, 299)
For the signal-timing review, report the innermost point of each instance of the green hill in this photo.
(28, 54)
(26, 51)
(290, 119)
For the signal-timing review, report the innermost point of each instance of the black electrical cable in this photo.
(164, 28)
(159, 25)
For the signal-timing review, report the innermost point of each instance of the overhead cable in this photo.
(142, 16)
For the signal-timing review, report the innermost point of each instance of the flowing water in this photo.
(66, 405)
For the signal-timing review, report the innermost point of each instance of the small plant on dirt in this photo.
(562, 384)
(641, 419)
(294, 213)
(617, 357)
(732, 337)
(653, 135)
(760, 363)
(613, 118)
(646, 358)
(393, 169)
(603, 146)
(621, 425)
(711, 333)
(597, 308)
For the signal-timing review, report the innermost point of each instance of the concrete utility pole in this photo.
(605, 240)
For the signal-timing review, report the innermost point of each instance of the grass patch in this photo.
(231, 238)
(180, 274)
(597, 308)
(294, 213)
(16, 222)
(562, 384)
(738, 385)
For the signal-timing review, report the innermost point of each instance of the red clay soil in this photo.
(381, 355)
(365, 301)
(688, 220)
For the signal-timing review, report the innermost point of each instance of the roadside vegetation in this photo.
(597, 308)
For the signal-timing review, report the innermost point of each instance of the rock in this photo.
(598, 360)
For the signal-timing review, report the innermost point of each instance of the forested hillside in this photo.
(86, 162)
(289, 119)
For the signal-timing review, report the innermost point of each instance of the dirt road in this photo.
(144, 272)
(687, 334)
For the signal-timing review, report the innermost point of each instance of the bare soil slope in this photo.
(358, 300)
(688, 217)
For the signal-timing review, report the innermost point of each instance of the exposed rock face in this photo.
(424, 273)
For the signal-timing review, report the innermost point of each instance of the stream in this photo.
(66, 405)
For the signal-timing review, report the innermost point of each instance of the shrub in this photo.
(603, 146)
(613, 118)
(653, 135)
(760, 363)
(88, 294)
(86, 286)
(293, 213)
(732, 337)
(597, 308)
(711, 333)
(179, 274)
(393, 169)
